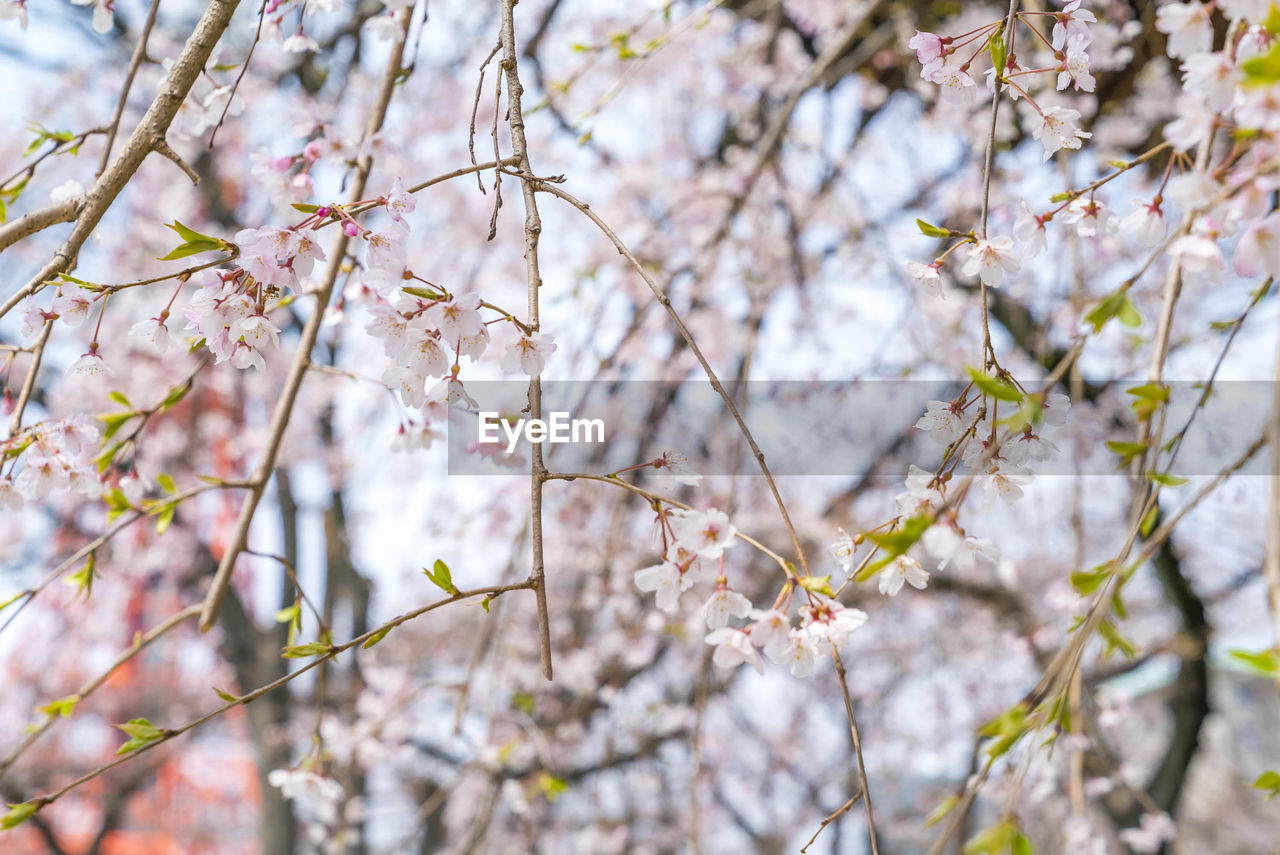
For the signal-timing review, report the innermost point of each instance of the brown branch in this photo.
(532, 233)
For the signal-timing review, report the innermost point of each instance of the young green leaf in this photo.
(995, 387)
(930, 230)
(1269, 781)
(304, 651)
(18, 814)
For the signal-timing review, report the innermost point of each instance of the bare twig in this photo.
(135, 61)
(532, 233)
(665, 301)
(857, 750)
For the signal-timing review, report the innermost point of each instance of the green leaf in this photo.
(1150, 520)
(304, 651)
(1127, 450)
(1269, 780)
(1021, 845)
(550, 787)
(14, 599)
(440, 575)
(937, 814)
(1150, 392)
(165, 518)
(141, 733)
(524, 702)
(1266, 663)
(1006, 729)
(375, 638)
(289, 613)
(484, 604)
(226, 696)
(992, 840)
(817, 584)
(62, 707)
(166, 483)
(999, 52)
(995, 387)
(1086, 582)
(1115, 305)
(113, 422)
(306, 209)
(1166, 479)
(176, 394)
(930, 230)
(192, 248)
(1262, 69)
(1116, 641)
(82, 579)
(18, 814)
(894, 543)
(423, 293)
(120, 399)
(189, 234)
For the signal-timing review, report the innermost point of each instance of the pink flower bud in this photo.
(350, 228)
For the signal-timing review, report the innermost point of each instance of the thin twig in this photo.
(857, 750)
(665, 301)
(532, 233)
(135, 61)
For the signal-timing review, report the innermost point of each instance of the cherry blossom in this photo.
(733, 648)
(927, 275)
(528, 354)
(930, 52)
(722, 605)
(676, 466)
(989, 259)
(10, 496)
(943, 422)
(770, 631)
(72, 308)
(103, 14)
(458, 318)
(1075, 68)
(948, 545)
(1212, 78)
(154, 331)
(1188, 27)
(902, 569)
(1029, 230)
(1090, 217)
(664, 580)
(706, 534)
(800, 653)
(399, 203)
(1071, 22)
(1155, 829)
(957, 86)
(1058, 128)
(92, 365)
(830, 624)
(842, 550)
(1145, 224)
(919, 497)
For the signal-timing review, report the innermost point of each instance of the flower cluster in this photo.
(690, 538)
(947, 61)
(56, 455)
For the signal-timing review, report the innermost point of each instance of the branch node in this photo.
(162, 147)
